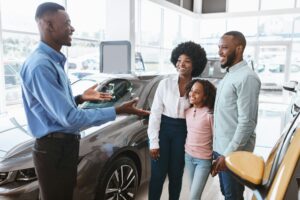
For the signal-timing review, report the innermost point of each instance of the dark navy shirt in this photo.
(47, 96)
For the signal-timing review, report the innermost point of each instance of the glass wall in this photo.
(20, 37)
(272, 38)
(159, 29)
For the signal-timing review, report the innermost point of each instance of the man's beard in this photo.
(230, 60)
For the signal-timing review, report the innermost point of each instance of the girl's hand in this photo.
(154, 154)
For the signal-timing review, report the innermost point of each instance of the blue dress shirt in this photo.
(47, 97)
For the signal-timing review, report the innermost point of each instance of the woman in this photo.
(167, 126)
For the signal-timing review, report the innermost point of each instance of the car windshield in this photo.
(79, 86)
(120, 89)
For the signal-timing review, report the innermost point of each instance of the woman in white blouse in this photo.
(167, 125)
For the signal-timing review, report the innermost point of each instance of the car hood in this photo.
(13, 136)
(13, 142)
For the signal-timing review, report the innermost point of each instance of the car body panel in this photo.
(99, 145)
(281, 174)
(286, 169)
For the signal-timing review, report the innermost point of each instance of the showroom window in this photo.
(158, 30)
(247, 25)
(91, 23)
(243, 5)
(188, 28)
(150, 24)
(275, 27)
(276, 4)
(216, 28)
(20, 37)
(295, 64)
(171, 29)
(272, 42)
(17, 19)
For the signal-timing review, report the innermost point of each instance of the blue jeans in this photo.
(230, 187)
(198, 170)
(172, 137)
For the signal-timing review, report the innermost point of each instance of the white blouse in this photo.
(167, 101)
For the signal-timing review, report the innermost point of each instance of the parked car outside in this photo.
(12, 81)
(279, 177)
(113, 158)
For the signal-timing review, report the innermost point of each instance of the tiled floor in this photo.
(211, 191)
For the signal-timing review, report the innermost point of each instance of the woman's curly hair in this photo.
(209, 91)
(195, 52)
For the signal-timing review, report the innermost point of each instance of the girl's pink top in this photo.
(200, 132)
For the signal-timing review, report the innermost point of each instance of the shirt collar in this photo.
(56, 56)
(237, 66)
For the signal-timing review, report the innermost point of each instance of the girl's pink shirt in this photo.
(200, 132)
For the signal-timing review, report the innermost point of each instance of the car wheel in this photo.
(120, 181)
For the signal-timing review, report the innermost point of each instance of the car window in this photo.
(151, 96)
(120, 89)
(11, 70)
(152, 91)
(213, 69)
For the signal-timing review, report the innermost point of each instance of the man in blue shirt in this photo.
(51, 110)
(235, 112)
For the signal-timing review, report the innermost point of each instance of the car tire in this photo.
(119, 181)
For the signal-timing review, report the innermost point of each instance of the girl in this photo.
(198, 146)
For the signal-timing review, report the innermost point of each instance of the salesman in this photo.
(52, 113)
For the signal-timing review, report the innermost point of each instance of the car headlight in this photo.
(26, 175)
(3, 176)
(23, 175)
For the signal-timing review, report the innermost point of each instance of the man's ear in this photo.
(49, 26)
(240, 48)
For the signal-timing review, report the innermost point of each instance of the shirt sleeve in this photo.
(247, 105)
(155, 117)
(47, 90)
(211, 122)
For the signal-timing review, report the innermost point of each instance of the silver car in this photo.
(113, 159)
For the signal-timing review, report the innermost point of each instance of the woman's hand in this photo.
(154, 154)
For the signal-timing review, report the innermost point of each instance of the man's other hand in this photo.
(129, 108)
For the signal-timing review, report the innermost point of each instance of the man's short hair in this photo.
(238, 36)
(47, 7)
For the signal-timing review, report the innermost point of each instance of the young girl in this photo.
(198, 146)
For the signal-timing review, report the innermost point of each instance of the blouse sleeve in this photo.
(155, 117)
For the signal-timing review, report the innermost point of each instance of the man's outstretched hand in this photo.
(93, 95)
(129, 108)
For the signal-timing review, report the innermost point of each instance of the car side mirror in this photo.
(290, 86)
(242, 163)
